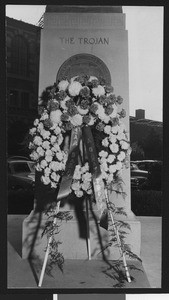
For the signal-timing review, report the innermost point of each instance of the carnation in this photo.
(107, 129)
(112, 169)
(45, 134)
(103, 153)
(98, 91)
(40, 151)
(43, 164)
(110, 158)
(76, 120)
(32, 131)
(121, 156)
(114, 148)
(45, 180)
(55, 116)
(37, 140)
(74, 88)
(124, 145)
(63, 85)
(36, 122)
(82, 111)
(105, 142)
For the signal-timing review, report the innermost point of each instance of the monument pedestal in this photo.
(94, 41)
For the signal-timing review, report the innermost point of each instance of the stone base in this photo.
(72, 235)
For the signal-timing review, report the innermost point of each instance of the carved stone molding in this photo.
(84, 64)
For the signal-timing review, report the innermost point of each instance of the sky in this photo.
(145, 39)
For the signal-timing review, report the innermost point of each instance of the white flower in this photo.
(60, 139)
(40, 151)
(63, 85)
(53, 139)
(119, 165)
(53, 185)
(114, 129)
(54, 166)
(37, 140)
(44, 116)
(38, 167)
(121, 156)
(107, 129)
(75, 185)
(105, 142)
(32, 131)
(36, 122)
(112, 138)
(77, 173)
(40, 126)
(46, 145)
(104, 166)
(55, 147)
(45, 134)
(82, 111)
(124, 145)
(47, 171)
(120, 136)
(79, 194)
(45, 179)
(57, 130)
(54, 176)
(74, 88)
(103, 153)
(86, 176)
(59, 155)
(92, 121)
(89, 192)
(76, 120)
(48, 156)
(43, 164)
(110, 158)
(114, 148)
(112, 169)
(98, 91)
(55, 116)
(63, 103)
(110, 178)
(92, 78)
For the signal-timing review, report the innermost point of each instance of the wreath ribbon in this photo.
(72, 161)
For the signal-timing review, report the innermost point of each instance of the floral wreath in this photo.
(80, 101)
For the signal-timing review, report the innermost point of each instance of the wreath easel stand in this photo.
(88, 231)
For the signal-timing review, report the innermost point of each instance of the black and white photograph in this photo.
(84, 147)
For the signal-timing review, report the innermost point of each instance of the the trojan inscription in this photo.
(85, 40)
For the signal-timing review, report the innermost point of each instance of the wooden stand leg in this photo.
(88, 231)
(118, 238)
(48, 249)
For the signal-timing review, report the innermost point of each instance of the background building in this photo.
(22, 50)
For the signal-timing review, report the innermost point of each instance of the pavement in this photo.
(81, 273)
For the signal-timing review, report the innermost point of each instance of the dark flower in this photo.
(64, 117)
(84, 104)
(119, 100)
(48, 123)
(69, 103)
(84, 92)
(82, 79)
(100, 126)
(60, 95)
(109, 89)
(102, 81)
(53, 105)
(94, 83)
(93, 108)
(115, 121)
(72, 110)
(122, 114)
(102, 99)
(108, 110)
(68, 125)
(86, 119)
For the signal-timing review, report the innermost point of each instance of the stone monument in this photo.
(89, 40)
